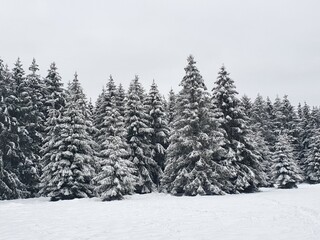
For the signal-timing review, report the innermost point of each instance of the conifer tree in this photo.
(121, 100)
(171, 107)
(245, 162)
(69, 154)
(23, 110)
(312, 163)
(11, 186)
(192, 166)
(138, 138)
(285, 171)
(116, 177)
(247, 105)
(53, 90)
(158, 123)
(307, 126)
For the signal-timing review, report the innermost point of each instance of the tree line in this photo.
(55, 143)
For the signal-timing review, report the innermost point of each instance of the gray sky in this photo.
(269, 46)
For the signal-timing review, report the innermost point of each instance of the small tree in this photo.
(285, 171)
(312, 164)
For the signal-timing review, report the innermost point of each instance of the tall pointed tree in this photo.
(312, 163)
(11, 186)
(245, 161)
(158, 123)
(138, 138)
(191, 167)
(26, 116)
(116, 177)
(69, 159)
(171, 107)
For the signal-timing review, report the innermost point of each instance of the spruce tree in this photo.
(69, 154)
(138, 138)
(245, 162)
(25, 113)
(312, 163)
(158, 123)
(247, 105)
(192, 166)
(53, 90)
(11, 186)
(285, 171)
(171, 107)
(116, 177)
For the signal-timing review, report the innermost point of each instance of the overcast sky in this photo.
(270, 47)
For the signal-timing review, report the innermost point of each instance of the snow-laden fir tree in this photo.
(53, 90)
(25, 113)
(116, 176)
(307, 128)
(247, 105)
(35, 115)
(102, 119)
(171, 106)
(245, 162)
(69, 155)
(158, 122)
(192, 166)
(312, 163)
(121, 100)
(285, 171)
(11, 186)
(139, 138)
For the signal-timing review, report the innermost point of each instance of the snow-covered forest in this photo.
(198, 141)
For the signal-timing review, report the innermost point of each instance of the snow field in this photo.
(270, 214)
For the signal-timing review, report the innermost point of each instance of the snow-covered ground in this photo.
(270, 214)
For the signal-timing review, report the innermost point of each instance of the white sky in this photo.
(270, 46)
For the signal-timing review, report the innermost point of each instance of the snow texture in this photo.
(270, 214)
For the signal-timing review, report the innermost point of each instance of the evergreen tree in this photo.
(312, 164)
(171, 107)
(285, 171)
(307, 126)
(11, 186)
(192, 166)
(116, 177)
(160, 131)
(121, 100)
(247, 105)
(245, 162)
(138, 138)
(25, 113)
(53, 90)
(69, 152)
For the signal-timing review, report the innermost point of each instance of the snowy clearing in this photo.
(270, 214)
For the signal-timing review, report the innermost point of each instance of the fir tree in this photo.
(312, 163)
(138, 138)
(171, 107)
(160, 131)
(244, 160)
(25, 113)
(69, 153)
(192, 166)
(285, 171)
(11, 186)
(53, 90)
(247, 105)
(116, 177)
